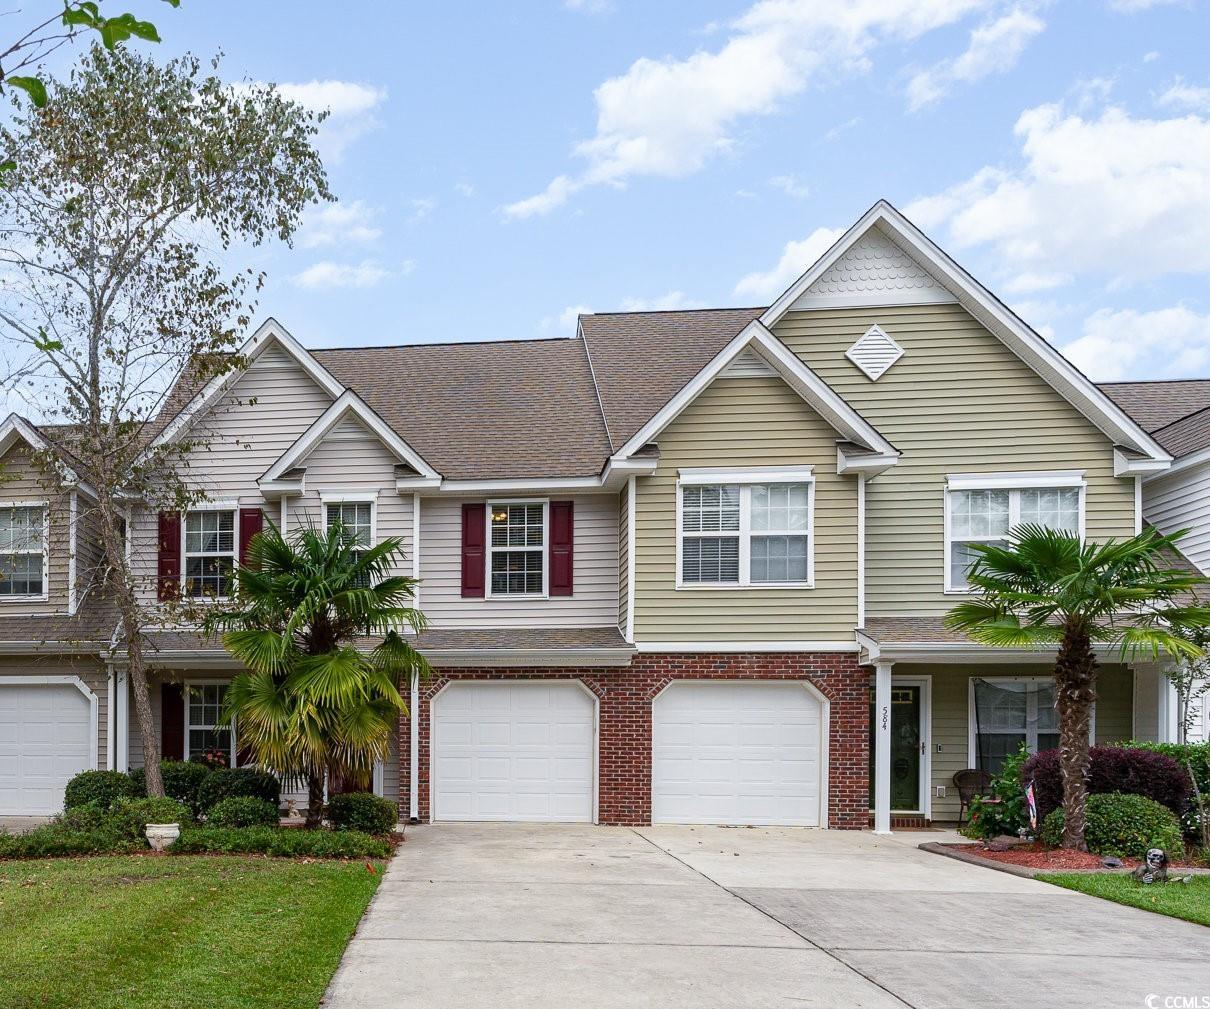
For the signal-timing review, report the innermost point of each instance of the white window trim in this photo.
(745, 478)
(972, 742)
(189, 685)
(210, 506)
(487, 561)
(44, 595)
(1008, 482)
(327, 498)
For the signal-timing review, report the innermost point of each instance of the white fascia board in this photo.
(866, 463)
(694, 475)
(585, 484)
(1015, 481)
(348, 403)
(1052, 366)
(526, 658)
(407, 484)
(734, 647)
(809, 386)
(16, 428)
(972, 653)
(275, 489)
(269, 333)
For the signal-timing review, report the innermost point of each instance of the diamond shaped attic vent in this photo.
(874, 353)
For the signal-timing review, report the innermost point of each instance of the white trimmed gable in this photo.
(873, 271)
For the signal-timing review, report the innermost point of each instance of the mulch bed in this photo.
(1035, 856)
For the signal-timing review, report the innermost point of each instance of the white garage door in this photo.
(514, 751)
(45, 738)
(731, 752)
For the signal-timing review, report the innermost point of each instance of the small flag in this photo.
(1033, 807)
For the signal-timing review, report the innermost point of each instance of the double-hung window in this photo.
(517, 542)
(357, 517)
(209, 553)
(23, 551)
(978, 511)
(205, 735)
(747, 531)
(1006, 712)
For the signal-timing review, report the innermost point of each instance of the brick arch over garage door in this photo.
(625, 714)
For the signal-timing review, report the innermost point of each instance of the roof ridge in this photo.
(1153, 381)
(680, 311)
(447, 343)
(1184, 417)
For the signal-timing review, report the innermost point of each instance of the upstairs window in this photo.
(517, 542)
(23, 551)
(358, 518)
(987, 514)
(209, 553)
(745, 534)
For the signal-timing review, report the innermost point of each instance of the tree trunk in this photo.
(1075, 689)
(128, 606)
(315, 799)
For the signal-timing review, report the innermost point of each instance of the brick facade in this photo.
(626, 693)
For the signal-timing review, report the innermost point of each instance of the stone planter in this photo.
(161, 835)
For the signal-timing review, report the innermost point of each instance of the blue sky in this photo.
(501, 165)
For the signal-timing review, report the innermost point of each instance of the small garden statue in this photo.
(1154, 868)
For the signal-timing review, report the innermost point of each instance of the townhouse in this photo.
(683, 567)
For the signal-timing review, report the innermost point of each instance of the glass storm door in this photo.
(905, 749)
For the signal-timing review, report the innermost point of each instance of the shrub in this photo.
(1131, 771)
(183, 780)
(1191, 756)
(1007, 815)
(286, 842)
(100, 787)
(57, 839)
(232, 781)
(130, 817)
(242, 811)
(362, 811)
(1122, 825)
(83, 819)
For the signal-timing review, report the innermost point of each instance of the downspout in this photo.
(414, 700)
(861, 550)
(111, 715)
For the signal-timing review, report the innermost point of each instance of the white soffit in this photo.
(874, 353)
(873, 271)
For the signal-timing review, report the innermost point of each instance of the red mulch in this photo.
(1035, 856)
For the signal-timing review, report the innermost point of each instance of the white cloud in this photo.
(326, 275)
(589, 6)
(795, 258)
(1031, 283)
(464, 189)
(1134, 6)
(351, 107)
(668, 117)
(791, 186)
(1151, 57)
(994, 48)
(1186, 96)
(339, 224)
(671, 301)
(1117, 196)
(422, 207)
(1114, 344)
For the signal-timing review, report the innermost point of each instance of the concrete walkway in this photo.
(502, 916)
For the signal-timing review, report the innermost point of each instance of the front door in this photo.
(905, 748)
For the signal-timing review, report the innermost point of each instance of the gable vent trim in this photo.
(874, 353)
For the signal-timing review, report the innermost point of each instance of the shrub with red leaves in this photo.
(1112, 769)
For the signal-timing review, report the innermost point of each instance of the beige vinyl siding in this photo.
(21, 480)
(951, 716)
(623, 557)
(90, 555)
(958, 401)
(1182, 501)
(89, 670)
(594, 602)
(351, 462)
(262, 415)
(744, 423)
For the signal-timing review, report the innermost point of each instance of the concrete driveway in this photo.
(503, 916)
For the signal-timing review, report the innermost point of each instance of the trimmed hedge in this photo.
(283, 842)
(232, 781)
(131, 816)
(243, 811)
(1128, 770)
(362, 811)
(102, 788)
(183, 780)
(1122, 825)
(54, 839)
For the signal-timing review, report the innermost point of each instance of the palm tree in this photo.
(1049, 588)
(316, 621)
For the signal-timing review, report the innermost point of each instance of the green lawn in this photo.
(175, 933)
(1190, 901)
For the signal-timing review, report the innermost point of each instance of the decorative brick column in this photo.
(626, 695)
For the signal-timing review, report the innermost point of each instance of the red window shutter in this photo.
(172, 722)
(169, 569)
(474, 550)
(562, 552)
(251, 521)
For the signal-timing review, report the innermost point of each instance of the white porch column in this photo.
(882, 747)
(414, 748)
(121, 722)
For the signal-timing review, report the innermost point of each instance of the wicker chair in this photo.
(970, 782)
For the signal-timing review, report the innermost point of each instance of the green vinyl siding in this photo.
(951, 716)
(746, 422)
(958, 401)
